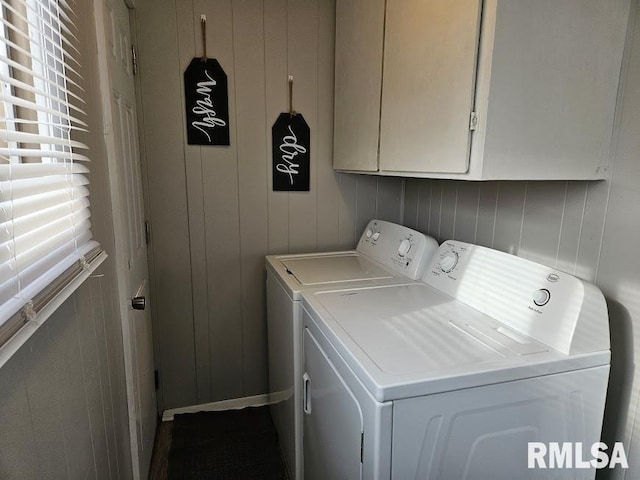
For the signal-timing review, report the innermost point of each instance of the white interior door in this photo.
(121, 135)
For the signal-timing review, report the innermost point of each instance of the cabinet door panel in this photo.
(554, 79)
(359, 34)
(428, 85)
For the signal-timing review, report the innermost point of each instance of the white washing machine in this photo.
(451, 378)
(386, 253)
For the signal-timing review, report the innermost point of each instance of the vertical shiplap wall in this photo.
(63, 406)
(590, 229)
(557, 223)
(213, 213)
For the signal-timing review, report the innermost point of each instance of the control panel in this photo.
(539, 301)
(402, 249)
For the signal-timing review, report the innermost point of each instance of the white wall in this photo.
(63, 410)
(213, 213)
(590, 229)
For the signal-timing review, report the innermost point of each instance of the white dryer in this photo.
(386, 253)
(451, 378)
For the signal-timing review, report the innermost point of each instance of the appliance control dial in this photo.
(376, 235)
(369, 232)
(448, 262)
(405, 246)
(541, 297)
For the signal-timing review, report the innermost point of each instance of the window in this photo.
(45, 237)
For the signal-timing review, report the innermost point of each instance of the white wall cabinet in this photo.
(477, 90)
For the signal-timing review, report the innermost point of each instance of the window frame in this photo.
(47, 95)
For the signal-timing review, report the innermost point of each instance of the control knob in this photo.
(405, 246)
(376, 236)
(369, 232)
(448, 262)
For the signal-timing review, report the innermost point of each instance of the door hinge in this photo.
(156, 379)
(361, 445)
(147, 232)
(473, 121)
(134, 59)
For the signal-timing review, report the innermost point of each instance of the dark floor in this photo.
(160, 458)
(234, 444)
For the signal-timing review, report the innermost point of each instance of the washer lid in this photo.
(320, 270)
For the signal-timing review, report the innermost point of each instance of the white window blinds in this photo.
(45, 235)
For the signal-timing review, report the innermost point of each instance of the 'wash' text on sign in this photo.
(207, 103)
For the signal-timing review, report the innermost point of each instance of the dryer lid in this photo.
(322, 270)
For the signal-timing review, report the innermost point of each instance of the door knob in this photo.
(138, 303)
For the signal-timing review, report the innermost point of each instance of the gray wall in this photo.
(590, 229)
(62, 402)
(63, 411)
(213, 213)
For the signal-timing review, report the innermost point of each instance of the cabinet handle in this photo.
(306, 396)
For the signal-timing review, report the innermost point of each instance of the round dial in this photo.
(376, 236)
(405, 246)
(448, 262)
(369, 232)
(541, 297)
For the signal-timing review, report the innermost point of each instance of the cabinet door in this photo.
(358, 77)
(430, 58)
(332, 421)
(555, 68)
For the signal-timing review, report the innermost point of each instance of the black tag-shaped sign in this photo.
(291, 153)
(207, 103)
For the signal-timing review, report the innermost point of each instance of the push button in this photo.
(541, 297)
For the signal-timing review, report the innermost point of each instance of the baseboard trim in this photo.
(232, 404)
